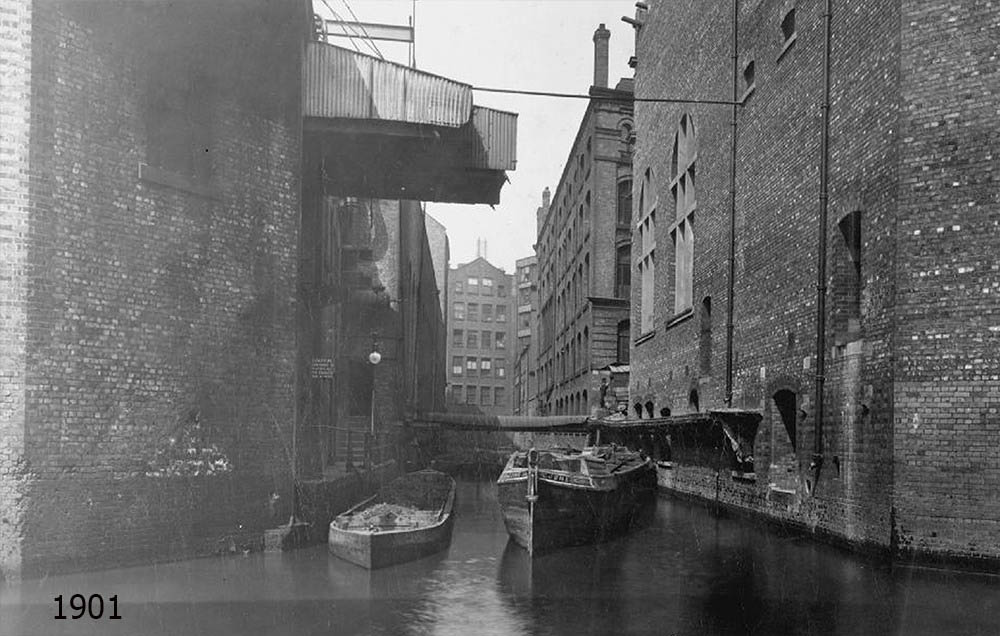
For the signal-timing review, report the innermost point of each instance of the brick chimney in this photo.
(546, 198)
(601, 37)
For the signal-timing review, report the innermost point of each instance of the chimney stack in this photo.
(601, 37)
(546, 198)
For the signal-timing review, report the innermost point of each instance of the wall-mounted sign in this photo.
(321, 368)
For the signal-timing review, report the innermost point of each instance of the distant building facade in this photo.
(584, 252)
(525, 377)
(899, 458)
(481, 342)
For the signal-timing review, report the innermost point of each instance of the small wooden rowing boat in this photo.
(409, 518)
(562, 497)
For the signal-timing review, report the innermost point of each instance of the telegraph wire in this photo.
(363, 29)
(655, 100)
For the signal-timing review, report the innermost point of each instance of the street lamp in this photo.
(374, 358)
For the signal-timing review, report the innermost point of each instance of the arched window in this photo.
(625, 202)
(623, 271)
(847, 282)
(682, 190)
(647, 252)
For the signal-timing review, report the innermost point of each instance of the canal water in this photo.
(685, 571)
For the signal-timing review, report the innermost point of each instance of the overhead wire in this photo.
(353, 34)
(629, 98)
(363, 29)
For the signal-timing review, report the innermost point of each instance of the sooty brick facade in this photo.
(910, 424)
(584, 247)
(149, 251)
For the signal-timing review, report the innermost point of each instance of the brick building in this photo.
(150, 227)
(481, 342)
(910, 344)
(584, 251)
(185, 210)
(525, 378)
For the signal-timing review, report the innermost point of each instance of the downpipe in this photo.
(816, 465)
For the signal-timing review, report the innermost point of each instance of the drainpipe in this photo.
(732, 212)
(824, 168)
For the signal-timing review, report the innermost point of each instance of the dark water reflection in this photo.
(684, 572)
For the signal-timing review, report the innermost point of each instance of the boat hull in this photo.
(566, 515)
(374, 546)
(383, 549)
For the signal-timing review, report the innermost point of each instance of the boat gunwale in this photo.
(442, 516)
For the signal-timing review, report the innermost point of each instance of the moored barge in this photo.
(562, 497)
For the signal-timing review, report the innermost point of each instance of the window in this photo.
(623, 342)
(487, 287)
(498, 396)
(458, 286)
(748, 78)
(625, 202)
(473, 284)
(502, 290)
(458, 393)
(178, 124)
(487, 313)
(486, 366)
(501, 313)
(500, 366)
(457, 337)
(470, 395)
(485, 394)
(474, 312)
(647, 252)
(456, 365)
(705, 337)
(458, 311)
(472, 340)
(847, 281)
(788, 26)
(472, 365)
(500, 340)
(623, 271)
(683, 241)
(486, 339)
(685, 203)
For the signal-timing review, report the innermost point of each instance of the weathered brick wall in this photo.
(15, 214)
(158, 317)
(683, 51)
(947, 349)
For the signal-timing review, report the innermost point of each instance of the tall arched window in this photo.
(647, 252)
(682, 190)
(623, 271)
(625, 202)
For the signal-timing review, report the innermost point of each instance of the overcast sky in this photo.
(524, 44)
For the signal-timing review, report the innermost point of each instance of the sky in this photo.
(543, 45)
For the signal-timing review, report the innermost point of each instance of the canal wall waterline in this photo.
(798, 516)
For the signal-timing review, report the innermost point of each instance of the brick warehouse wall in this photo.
(947, 417)
(15, 96)
(777, 186)
(157, 316)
